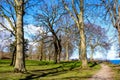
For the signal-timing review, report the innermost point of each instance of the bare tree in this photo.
(68, 37)
(96, 38)
(40, 49)
(112, 8)
(20, 55)
(48, 17)
(79, 21)
(16, 12)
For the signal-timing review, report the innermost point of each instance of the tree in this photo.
(16, 12)
(20, 56)
(4, 41)
(96, 38)
(67, 44)
(13, 50)
(68, 37)
(79, 21)
(112, 9)
(48, 17)
(40, 49)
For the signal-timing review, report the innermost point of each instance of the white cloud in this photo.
(31, 30)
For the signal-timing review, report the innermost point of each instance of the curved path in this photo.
(105, 73)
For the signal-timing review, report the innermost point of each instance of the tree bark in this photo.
(1, 55)
(41, 50)
(56, 53)
(57, 47)
(13, 57)
(79, 48)
(119, 41)
(83, 49)
(20, 55)
(82, 36)
(67, 52)
(91, 56)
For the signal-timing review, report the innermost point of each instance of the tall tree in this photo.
(112, 8)
(48, 17)
(20, 56)
(15, 10)
(78, 17)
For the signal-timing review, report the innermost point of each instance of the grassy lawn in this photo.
(116, 70)
(43, 70)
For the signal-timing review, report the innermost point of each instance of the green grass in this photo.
(44, 70)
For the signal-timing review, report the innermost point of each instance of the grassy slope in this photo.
(47, 70)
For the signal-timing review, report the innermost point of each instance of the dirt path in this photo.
(105, 73)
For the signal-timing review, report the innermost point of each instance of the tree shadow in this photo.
(48, 69)
(43, 74)
(34, 74)
(93, 64)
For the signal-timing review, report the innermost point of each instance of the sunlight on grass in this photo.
(47, 70)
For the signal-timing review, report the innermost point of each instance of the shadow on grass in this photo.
(92, 64)
(53, 72)
(34, 74)
(56, 68)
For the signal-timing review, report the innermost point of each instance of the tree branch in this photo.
(66, 7)
(7, 29)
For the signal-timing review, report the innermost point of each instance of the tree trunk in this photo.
(20, 55)
(119, 41)
(67, 52)
(79, 47)
(49, 56)
(83, 49)
(41, 51)
(91, 56)
(1, 55)
(82, 36)
(56, 53)
(13, 57)
(59, 49)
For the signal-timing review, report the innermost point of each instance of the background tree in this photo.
(48, 17)
(40, 48)
(13, 51)
(96, 38)
(5, 41)
(68, 37)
